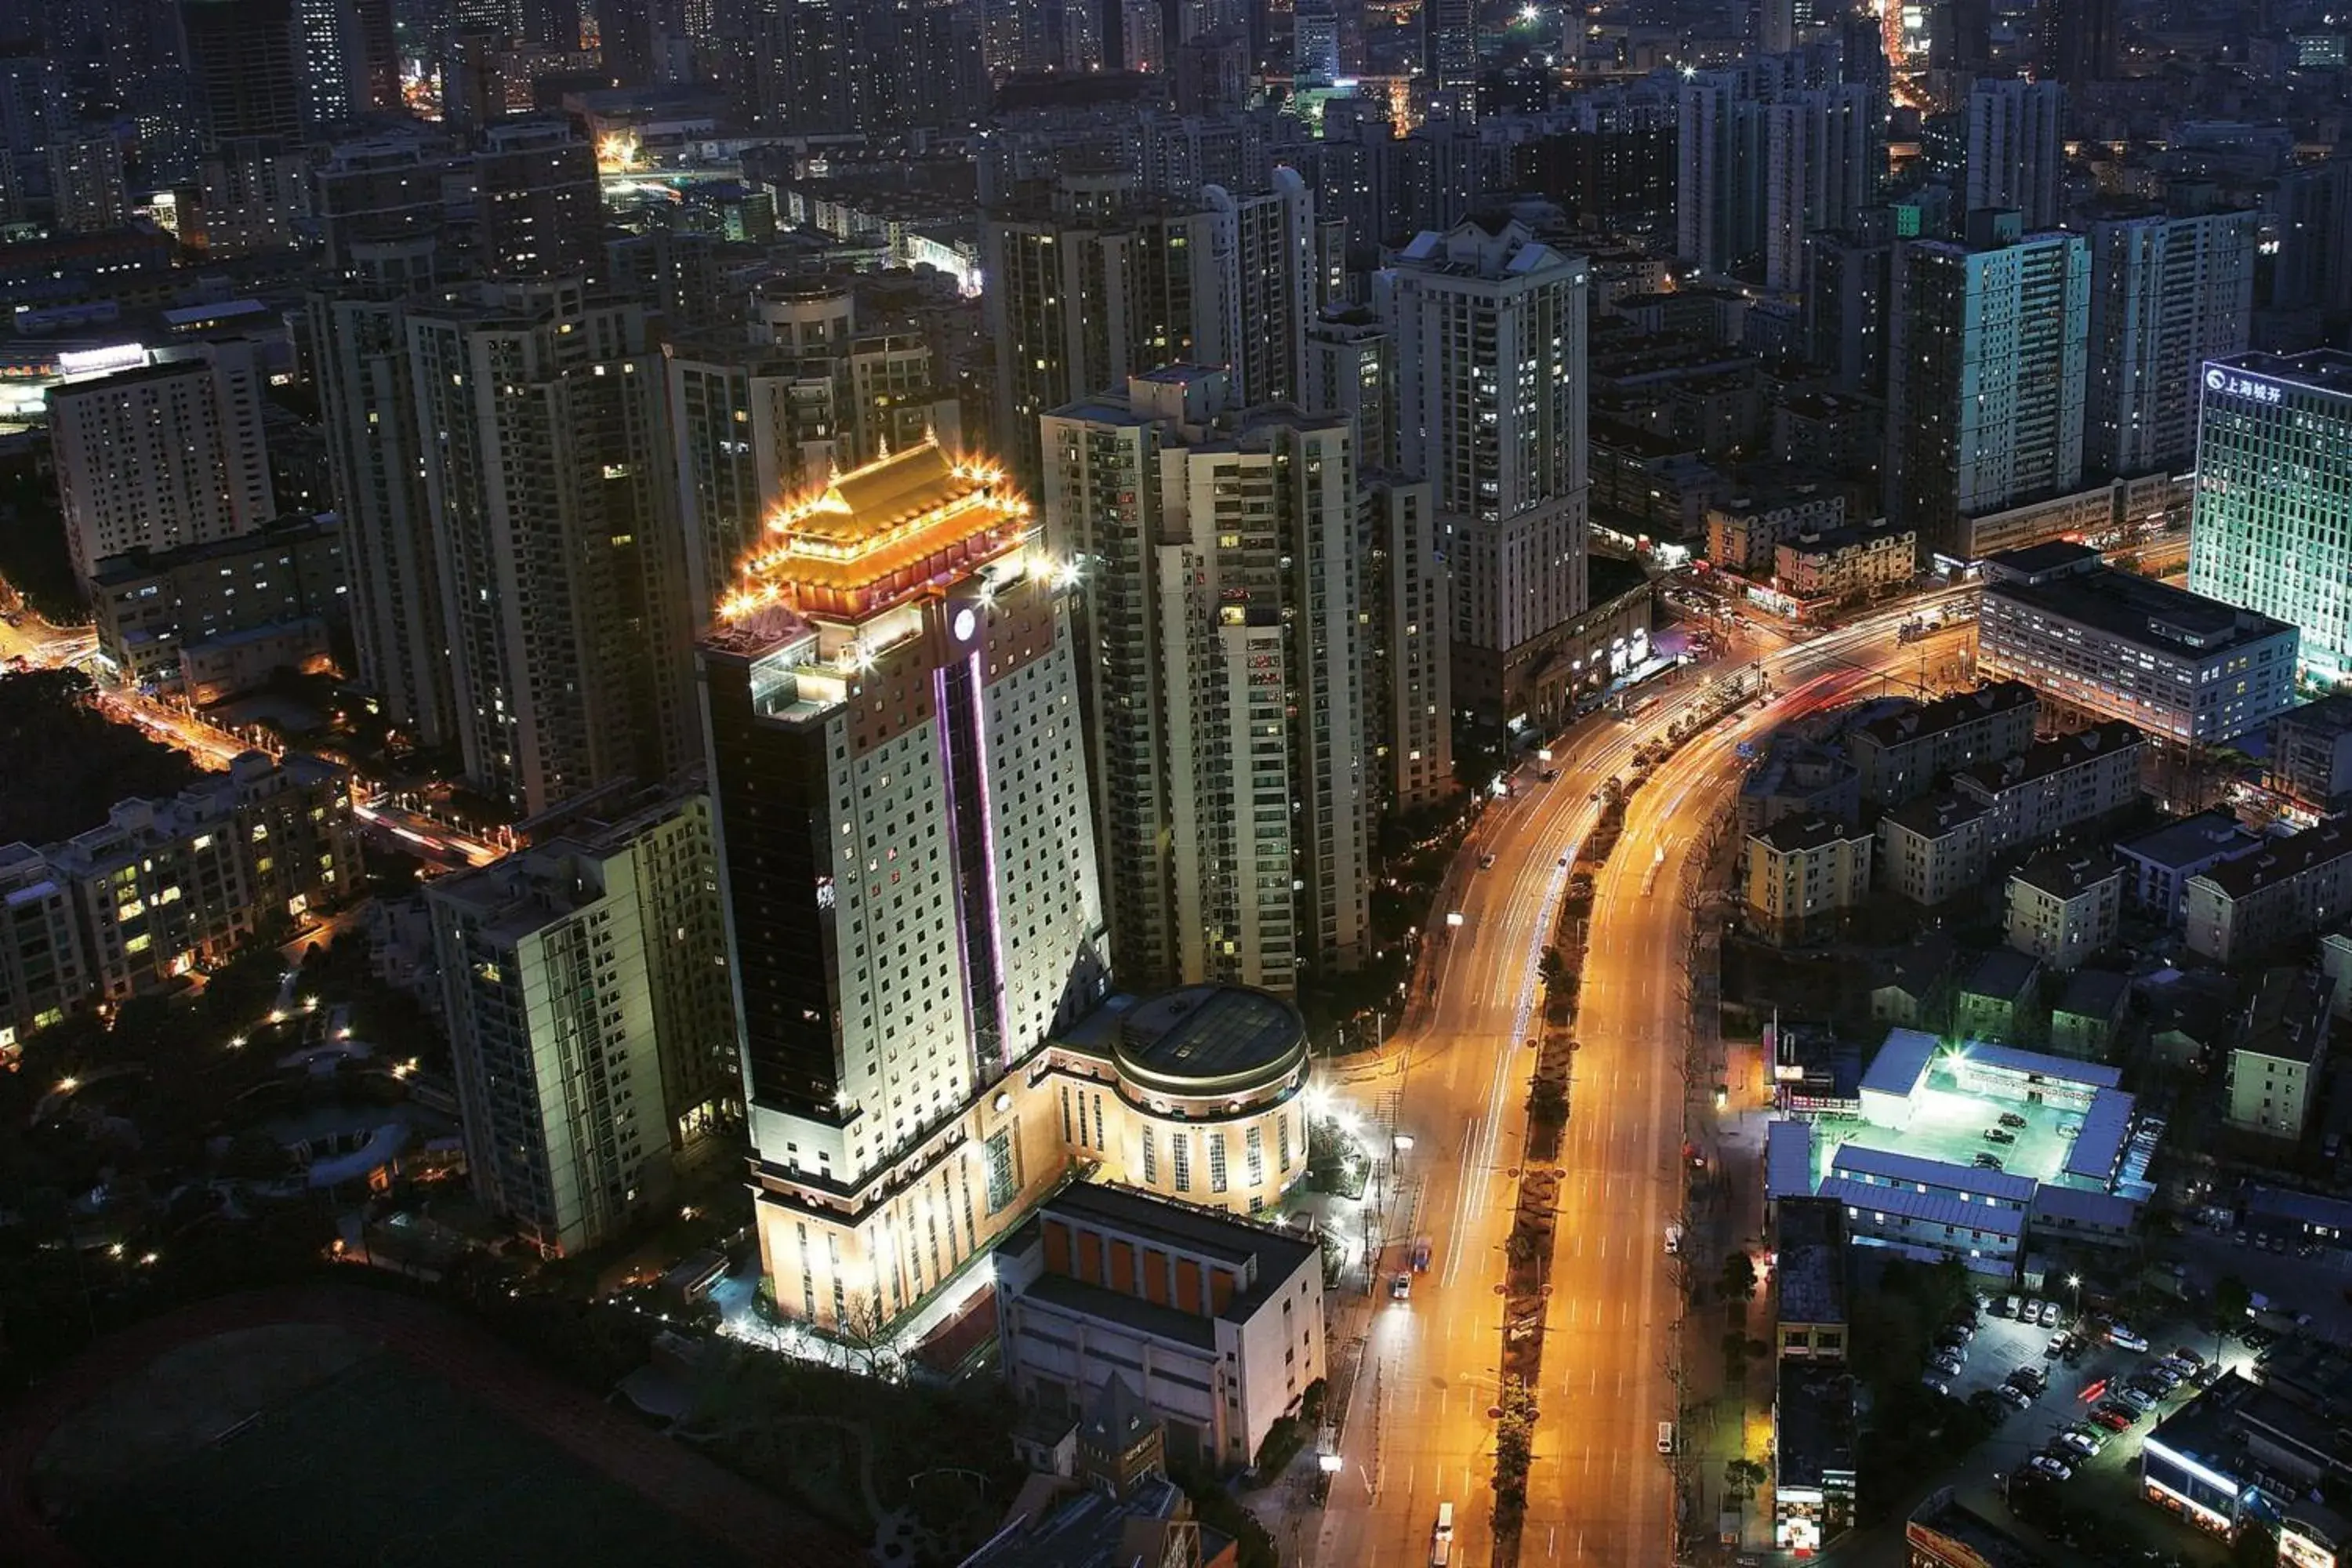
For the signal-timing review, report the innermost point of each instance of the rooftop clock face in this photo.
(965, 624)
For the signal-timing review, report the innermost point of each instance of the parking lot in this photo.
(2106, 1483)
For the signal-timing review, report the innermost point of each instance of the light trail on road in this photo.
(1599, 1494)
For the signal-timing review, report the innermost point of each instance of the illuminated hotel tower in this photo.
(906, 858)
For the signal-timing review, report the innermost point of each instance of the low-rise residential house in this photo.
(2088, 1013)
(1999, 1000)
(2280, 1061)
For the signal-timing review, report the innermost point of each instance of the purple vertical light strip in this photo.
(947, 780)
(988, 858)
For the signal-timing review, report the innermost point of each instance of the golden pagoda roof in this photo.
(875, 523)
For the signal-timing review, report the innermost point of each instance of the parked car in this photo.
(2015, 1396)
(2182, 1353)
(1988, 1161)
(2139, 1399)
(2115, 1417)
(2031, 1311)
(2008, 1306)
(2056, 1469)
(2000, 1135)
(2012, 1118)
(2079, 1444)
(1950, 1366)
(1990, 1405)
(2058, 1343)
(2123, 1339)
(1929, 1380)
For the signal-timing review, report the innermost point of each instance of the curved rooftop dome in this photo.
(1210, 1041)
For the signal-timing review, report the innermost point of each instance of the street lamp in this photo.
(2074, 1283)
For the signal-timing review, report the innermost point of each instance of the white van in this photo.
(1665, 1437)
(1441, 1539)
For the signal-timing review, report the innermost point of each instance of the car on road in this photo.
(2000, 1135)
(2056, 1469)
(2123, 1339)
(1401, 1288)
(1421, 1255)
(1486, 862)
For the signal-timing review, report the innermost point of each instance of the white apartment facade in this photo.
(1490, 331)
(163, 456)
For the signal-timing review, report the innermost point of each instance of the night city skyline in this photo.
(1059, 783)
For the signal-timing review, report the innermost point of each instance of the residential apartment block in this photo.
(2056, 784)
(584, 984)
(166, 887)
(2161, 861)
(2291, 887)
(2064, 907)
(1219, 590)
(2311, 753)
(1845, 563)
(1932, 850)
(2115, 645)
(1744, 531)
(1901, 757)
(1217, 1323)
(209, 620)
(1802, 870)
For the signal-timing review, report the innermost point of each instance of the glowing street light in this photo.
(1453, 918)
(1330, 1464)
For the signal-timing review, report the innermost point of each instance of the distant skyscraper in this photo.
(1106, 284)
(1845, 289)
(1450, 55)
(585, 988)
(1406, 648)
(1825, 157)
(1776, 25)
(2273, 510)
(1985, 376)
(333, 66)
(2016, 150)
(1315, 42)
(553, 516)
(1718, 210)
(2079, 41)
(1221, 588)
(1490, 329)
(538, 209)
(86, 180)
(906, 854)
(163, 456)
(241, 55)
(242, 64)
(2167, 295)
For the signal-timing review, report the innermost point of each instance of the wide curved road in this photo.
(1418, 1431)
